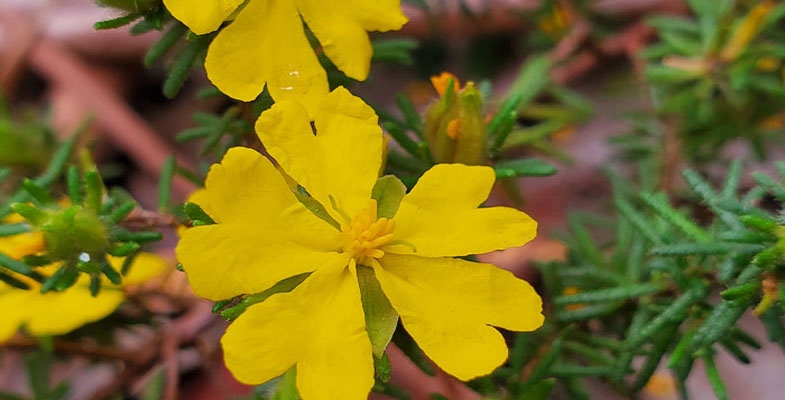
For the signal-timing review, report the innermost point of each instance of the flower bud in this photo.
(72, 231)
(454, 125)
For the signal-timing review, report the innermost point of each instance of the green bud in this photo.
(455, 128)
(72, 231)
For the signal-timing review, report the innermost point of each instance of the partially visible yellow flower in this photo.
(266, 42)
(56, 313)
(403, 245)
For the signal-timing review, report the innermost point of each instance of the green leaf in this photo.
(394, 50)
(116, 22)
(154, 389)
(40, 196)
(13, 281)
(660, 204)
(523, 167)
(399, 134)
(664, 74)
(532, 79)
(165, 183)
(579, 370)
(125, 235)
(610, 294)
(715, 248)
(542, 368)
(718, 323)
(674, 313)
(14, 265)
(410, 114)
(182, 65)
(14, 229)
(539, 391)
(167, 40)
(94, 191)
(714, 376)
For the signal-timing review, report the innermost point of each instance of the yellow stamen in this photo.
(365, 234)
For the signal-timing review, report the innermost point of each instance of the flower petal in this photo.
(319, 326)
(342, 30)
(263, 234)
(439, 217)
(53, 313)
(341, 161)
(61, 312)
(145, 267)
(447, 304)
(203, 17)
(266, 43)
(13, 303)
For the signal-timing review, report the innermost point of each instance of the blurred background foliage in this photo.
(689, 236)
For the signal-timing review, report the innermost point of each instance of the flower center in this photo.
(365, 234)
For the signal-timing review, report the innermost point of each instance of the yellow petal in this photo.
(202, 16)
(448, 304)
(341, 161)
(342, 29)
(54, 313)
(12, 302)
(266, 43)
(57, 313)
(439, 217)
(23, 244)
(145, 267)
(263, 234)
(319, 327)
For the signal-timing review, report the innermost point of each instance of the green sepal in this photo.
(39, 194)
(110, 273)
(124, 249)
(286, 388)
(95, 284)
(30, 213)
(380, 317)
(284, 286)
(62, 279)
(388, 193)
(12, 281)
(195, 213)
(14, 265)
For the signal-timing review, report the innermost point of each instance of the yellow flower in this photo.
(264, 234)
(266, 43)
(56, 313)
